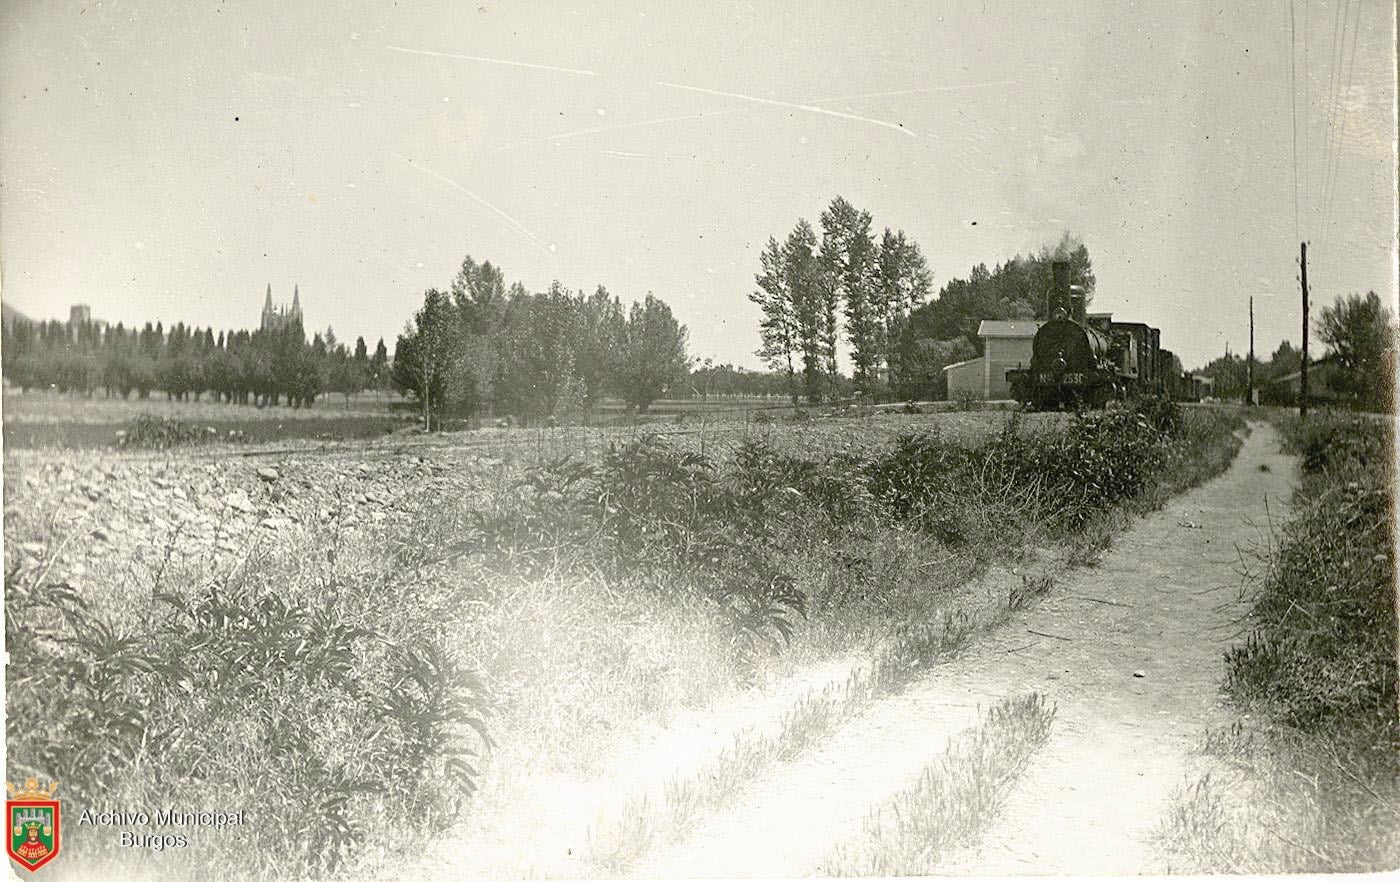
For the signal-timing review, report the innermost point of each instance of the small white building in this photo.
(1005, 345)
(964, 377)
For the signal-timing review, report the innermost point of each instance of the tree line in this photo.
(480, 346)
(809, 292)
(263, 367)
(872, 293)
(484, 348)
(1359, 333)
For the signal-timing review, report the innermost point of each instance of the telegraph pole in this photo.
(1303, 377)
(1249, 389)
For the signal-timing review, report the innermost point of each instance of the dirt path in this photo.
(1130, 651)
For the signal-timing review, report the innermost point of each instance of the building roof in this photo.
(949, 367)
(1325, 361)
(1019, 328)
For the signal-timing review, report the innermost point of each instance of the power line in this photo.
(1307, 110)
(1342, 130)
(1334, 96)
(1334, 63)
(1293, 101)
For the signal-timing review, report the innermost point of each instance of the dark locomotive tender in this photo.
(1080, 360)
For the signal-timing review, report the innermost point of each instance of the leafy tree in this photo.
(1231, 375)
(813, 310)
(922, 361)
(904, 281)
(479, 292)
(426, 351)
(1360, 334)
(480, 295)
(1017, 289)
(345, 373)
(598, 356)
(537, 350)
(654, 359)
(379, 376)
(1286, 359)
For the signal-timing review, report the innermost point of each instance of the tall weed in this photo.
(246, 691)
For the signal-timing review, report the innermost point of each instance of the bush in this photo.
(161, 433)
(1062, 478)
(270, 690)
(667, 518)
(1338, 445)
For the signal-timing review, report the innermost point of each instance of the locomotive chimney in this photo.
(1076, 303)
(1059, 291)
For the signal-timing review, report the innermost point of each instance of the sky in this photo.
(169, 159)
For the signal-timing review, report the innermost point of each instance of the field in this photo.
(41, 419)
(50, 420)
(451, 628)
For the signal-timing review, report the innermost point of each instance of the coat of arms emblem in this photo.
(31, 824)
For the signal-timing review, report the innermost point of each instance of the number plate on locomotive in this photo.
(1072, 378)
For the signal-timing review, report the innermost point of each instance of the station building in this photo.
(1006, 345)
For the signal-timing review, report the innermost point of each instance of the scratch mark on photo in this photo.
(428, 52)
(456, 186)
(806, 108)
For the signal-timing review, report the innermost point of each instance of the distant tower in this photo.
(275, 319)
(78, 314)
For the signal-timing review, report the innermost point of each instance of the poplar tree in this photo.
(848, 257)
(778, 327)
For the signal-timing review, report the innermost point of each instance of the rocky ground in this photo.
(98, 512)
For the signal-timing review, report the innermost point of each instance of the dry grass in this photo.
(954, 799)
(932, 636)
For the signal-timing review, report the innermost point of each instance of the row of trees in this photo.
(710, 381)
(259, 367)
(872, 294)
(1359, 333)
(810, 292)
(484, 348)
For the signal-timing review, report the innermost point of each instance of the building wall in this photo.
(1003, 354)
(965, 377)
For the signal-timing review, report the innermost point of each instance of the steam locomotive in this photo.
(1080, 360)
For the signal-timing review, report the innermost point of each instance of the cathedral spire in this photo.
(296, 301)
(267, 304)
